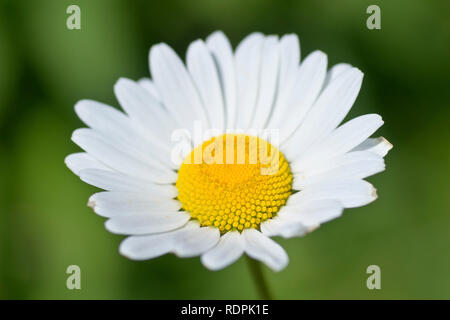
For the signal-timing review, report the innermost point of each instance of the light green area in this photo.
(45, 224)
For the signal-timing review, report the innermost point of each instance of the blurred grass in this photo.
(45, 224)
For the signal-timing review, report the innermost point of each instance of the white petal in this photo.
(82, 160)
(109, 204)
(353, 165)
(341, 140)
(351, 193)
(146, 223)
(264, 249)
(195, 241)
(289, 60)
(148, 85)
(116, 181)
(108, 153)
(146, 247)
(144, 109)
(227, 251)
(221, 49)
(204, 73)
(313, 213)
(151, 246)
(328, 111)
(140, 105)
(119, 128)
(287, 225)
(308, 83)
(175, 86)
(248, 62)
(106, 119)
(284, 226)
(302, 218)
(335, 71)
(268, 82)
(289, 64)
(272, 227)
(379, 146)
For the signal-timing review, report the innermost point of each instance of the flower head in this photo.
(273, 160)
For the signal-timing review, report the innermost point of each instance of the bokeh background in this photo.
(45, 224)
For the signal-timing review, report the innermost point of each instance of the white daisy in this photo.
(221, 211)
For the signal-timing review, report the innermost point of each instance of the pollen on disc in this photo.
(234, 182)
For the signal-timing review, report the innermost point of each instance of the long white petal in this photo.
(195, 241)
(351, 193)
(122, 130)
(378, 146)
(110, 203)
(289, 65)
(176, 87)
(122, 160)
(351, 165)
(221, 49)
(147, 223)
(268, 82)
(285, 228)
(274, 227)
(264, 249)
(335, 71)
(314, 213)
(204, 73)
(151, 246)
(82, 160)
(116, 181)
(328, 111)
(307, 86)
(146, 247)
(248, 65)
(107, 119)
(227, 251)
(341, 140)
(148, 85)
(144, 108)
(151, 116)
(289, 61)
(302, 218)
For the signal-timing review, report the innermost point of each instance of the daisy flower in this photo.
(220, 210)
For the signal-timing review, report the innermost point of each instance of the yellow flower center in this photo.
(234, 181)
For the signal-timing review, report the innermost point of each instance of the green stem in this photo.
(258, 278)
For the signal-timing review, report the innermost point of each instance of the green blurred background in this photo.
(45, 224)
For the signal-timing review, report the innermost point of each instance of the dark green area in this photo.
(45, 224)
